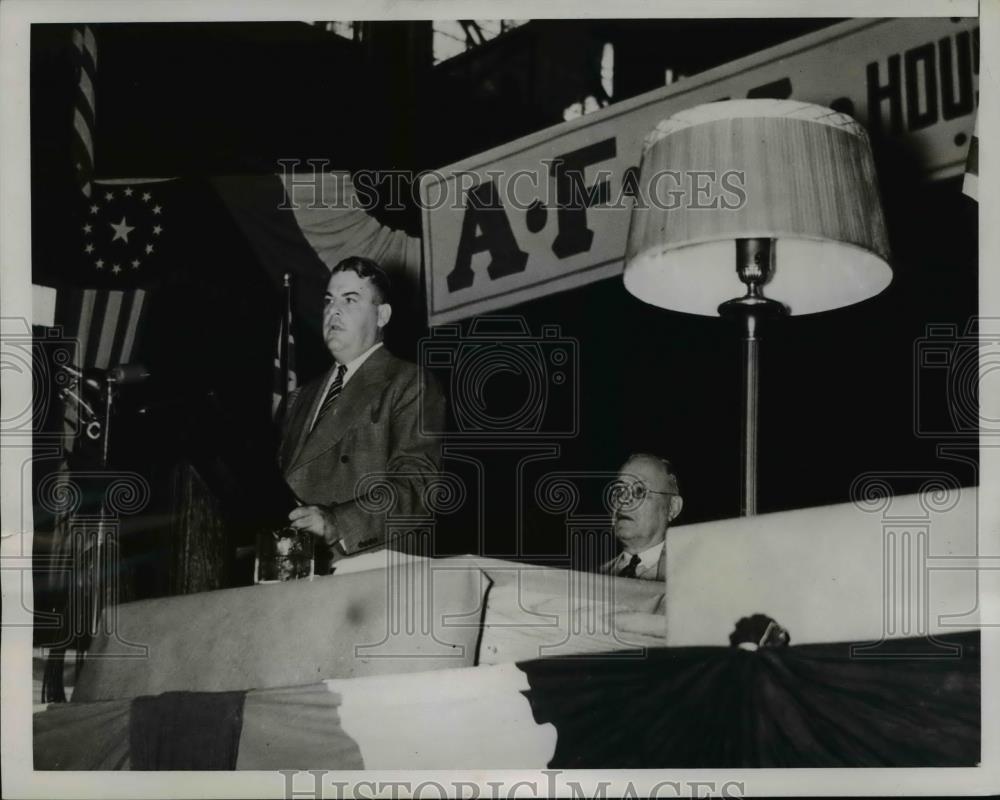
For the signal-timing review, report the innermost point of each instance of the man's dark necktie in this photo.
(628, 571)
(331, 395)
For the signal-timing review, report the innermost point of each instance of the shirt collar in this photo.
(355, 363)
(647, 557)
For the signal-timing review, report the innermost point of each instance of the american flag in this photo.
(121, 236)
(104, 324)
(285, 378)
(84, 117)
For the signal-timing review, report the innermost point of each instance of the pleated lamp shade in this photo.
(798, 173)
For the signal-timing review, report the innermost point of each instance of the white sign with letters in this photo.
(550, 211)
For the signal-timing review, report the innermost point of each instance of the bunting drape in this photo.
(807, 706)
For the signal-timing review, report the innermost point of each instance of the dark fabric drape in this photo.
(186, 730)
(805, 706)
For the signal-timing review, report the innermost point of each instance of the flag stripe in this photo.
(132, 329)
(296, 727)
(90, 44)
(84, 41)
(83, 131)
(285, 379)
(82, 736)
(121, 328)
(84, 114)
(85, 93)
(441, 719)
(186, 730)
(95, 327)
(112, 311)
(82, 157)
(87, 308)
(85, 111)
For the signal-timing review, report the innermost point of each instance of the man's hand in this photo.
(317, 520)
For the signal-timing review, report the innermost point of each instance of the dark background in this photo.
(192, 101)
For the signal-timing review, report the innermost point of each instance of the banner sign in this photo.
(550, 211)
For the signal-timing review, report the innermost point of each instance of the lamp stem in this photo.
(754, 265)
(751, 392)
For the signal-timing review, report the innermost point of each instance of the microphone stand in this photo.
(100, 576)
(96, 573)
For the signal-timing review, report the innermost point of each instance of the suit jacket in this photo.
(366, 457)
(659, 575)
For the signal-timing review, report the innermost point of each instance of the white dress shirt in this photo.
(648, 561)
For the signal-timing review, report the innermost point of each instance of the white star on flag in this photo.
(93, 209)
(135, 263)
(128, 191)
(149, 248)
(122, 230)
(99, 263)
(146, 196)
(157, 229)
(89, 248)
(109, 196)
(86, 228)
(157, 209)
(116, 269)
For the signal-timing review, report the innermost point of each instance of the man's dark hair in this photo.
(367, 268)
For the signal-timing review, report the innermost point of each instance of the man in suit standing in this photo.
(646, 499)
(352, 438)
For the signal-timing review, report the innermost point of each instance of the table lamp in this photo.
(740, 197)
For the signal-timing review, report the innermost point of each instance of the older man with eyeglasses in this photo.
(645, 499)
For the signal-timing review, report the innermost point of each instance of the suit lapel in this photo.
(299, 424)
(346, 412)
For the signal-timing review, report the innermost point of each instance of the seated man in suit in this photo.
(646, 499)
(352, 439)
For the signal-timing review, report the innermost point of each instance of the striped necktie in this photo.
(628, 571)
(331, 395)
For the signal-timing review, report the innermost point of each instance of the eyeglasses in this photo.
(624, 494)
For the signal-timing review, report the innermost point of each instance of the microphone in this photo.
(72, 369)
(125, 374)
(91, 378)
